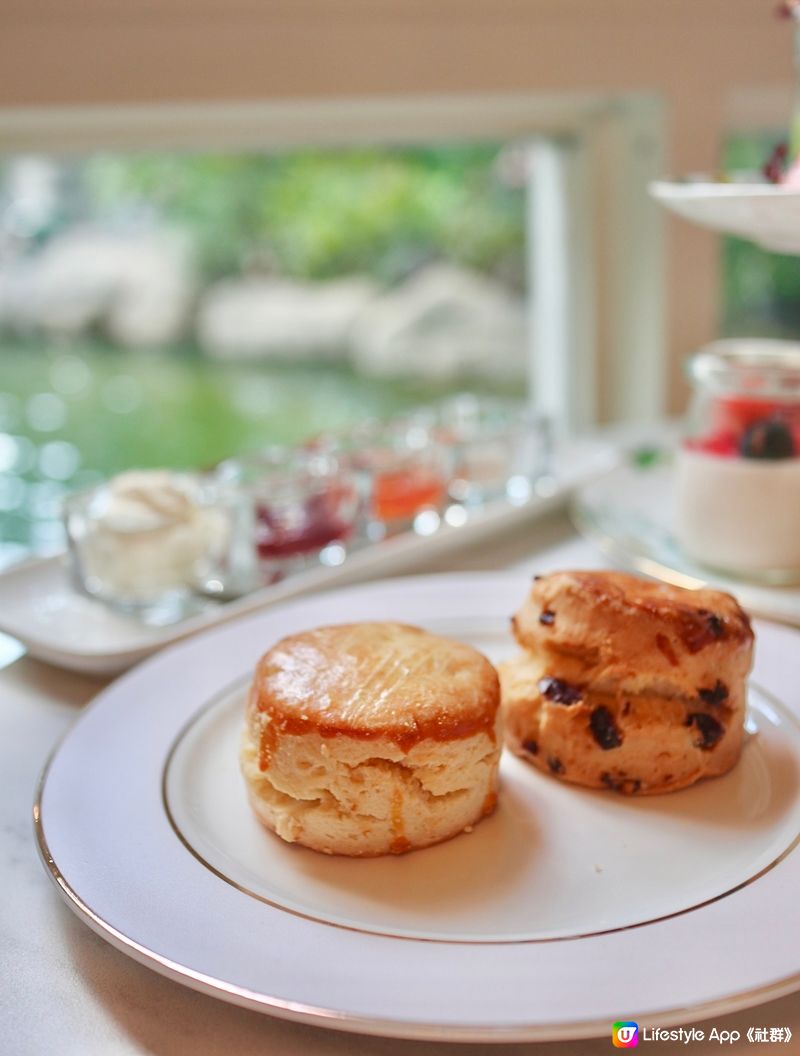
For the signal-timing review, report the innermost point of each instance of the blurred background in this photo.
(173, 292)
(176, 308)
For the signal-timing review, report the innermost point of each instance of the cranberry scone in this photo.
(627, 684)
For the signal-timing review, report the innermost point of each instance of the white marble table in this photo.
(65, 991)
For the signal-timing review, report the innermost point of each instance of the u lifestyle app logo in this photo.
(625, 1035)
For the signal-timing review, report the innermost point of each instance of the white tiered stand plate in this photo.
(760, 212)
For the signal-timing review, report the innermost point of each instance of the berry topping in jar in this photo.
(767, 438)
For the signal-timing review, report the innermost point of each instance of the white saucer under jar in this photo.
(738, 467)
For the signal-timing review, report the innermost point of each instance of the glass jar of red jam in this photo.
(298, 507)
(738, 467)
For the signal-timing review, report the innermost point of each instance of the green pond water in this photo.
(72, 414)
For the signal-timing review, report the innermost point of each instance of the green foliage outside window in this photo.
(319, 215)
(761, 290)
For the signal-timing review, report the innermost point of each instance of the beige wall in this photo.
(698, 54)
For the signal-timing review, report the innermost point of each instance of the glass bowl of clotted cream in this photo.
(142, 541)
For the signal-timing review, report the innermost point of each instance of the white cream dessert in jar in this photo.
(141, 541)
(738, 468)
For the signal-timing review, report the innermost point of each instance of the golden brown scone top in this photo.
(376, 680)
(613, 624)
(700, 617)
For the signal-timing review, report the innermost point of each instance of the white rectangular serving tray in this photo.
(40, 608)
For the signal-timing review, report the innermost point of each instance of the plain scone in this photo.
(371, 738)
(627, 684)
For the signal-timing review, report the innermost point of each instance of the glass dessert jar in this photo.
(738, 468)
(296, 507)
(500, 447)
(142, 541)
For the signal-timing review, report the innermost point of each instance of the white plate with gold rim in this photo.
(563, 912)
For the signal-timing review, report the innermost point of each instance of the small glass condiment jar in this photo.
(501, 446)
(403, 473)
(738, 467)
(297, 507)
(143, 541)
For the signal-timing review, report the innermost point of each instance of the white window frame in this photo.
(597, 349)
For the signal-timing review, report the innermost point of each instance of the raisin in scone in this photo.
(371, 738)
(627, 684)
